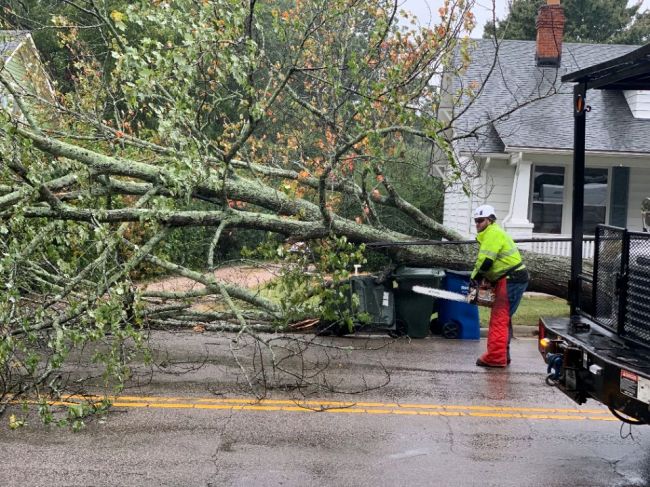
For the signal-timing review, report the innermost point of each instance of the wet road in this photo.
(437, 420)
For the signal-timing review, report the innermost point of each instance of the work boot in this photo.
(482, 363)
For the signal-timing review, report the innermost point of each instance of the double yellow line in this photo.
(338, 407)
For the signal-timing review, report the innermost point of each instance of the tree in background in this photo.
(587, 21)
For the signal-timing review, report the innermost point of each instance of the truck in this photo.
(601, 351)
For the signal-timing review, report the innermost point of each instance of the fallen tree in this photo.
(298, 119)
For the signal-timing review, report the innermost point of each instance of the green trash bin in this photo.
(412, 310)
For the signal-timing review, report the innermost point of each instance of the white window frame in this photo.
(565, 226)
(531, 195)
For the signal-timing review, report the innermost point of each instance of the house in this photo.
(20, 65)
(512, 134)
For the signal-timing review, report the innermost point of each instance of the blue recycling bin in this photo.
(456, 319)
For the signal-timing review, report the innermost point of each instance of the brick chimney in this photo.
(550, 30)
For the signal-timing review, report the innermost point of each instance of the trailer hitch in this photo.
(554, 369)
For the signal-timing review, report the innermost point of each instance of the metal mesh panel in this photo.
(608, 253)
(637, 304)
(586, 294)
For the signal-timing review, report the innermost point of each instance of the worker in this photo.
(500, 264)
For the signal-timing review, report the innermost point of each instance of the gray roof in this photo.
(10, 40)
(544, 118)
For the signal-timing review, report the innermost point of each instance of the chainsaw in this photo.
(482, 295)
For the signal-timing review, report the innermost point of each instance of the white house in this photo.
(20, 65)
(513, 138)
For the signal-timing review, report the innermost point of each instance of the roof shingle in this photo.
(10, 40)
(525, 106)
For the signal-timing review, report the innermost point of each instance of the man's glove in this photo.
(472, 293)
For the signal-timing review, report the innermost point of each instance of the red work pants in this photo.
(499, 328)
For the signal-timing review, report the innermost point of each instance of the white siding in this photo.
(456, 213)
(639, 103)
(500, 176)
(458, 207)
(493, 187)
(639, 189)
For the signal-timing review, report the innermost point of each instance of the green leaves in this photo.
(78, 413)
(15, 423)
(315, 281)
(119, 19)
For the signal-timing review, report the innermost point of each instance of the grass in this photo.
(530, 309)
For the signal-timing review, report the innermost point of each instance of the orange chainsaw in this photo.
(481, 295)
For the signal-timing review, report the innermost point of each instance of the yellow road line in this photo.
(315, 404)
(336, 407)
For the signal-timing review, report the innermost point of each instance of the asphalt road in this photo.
(378, 412)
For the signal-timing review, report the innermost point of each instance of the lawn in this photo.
(531, 308)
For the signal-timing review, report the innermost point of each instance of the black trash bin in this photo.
(412, 310)
(376, 300)
(373, 299)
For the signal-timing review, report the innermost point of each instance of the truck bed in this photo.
(600, 365)
(604, 344)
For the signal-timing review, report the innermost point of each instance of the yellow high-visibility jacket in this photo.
(497, 245)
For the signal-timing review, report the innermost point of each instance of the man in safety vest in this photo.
(498, 262)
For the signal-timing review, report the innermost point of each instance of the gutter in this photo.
(561, 152)
(569, 152)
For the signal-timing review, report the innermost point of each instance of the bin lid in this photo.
(419, 272)
(364, 278)
(458, 273)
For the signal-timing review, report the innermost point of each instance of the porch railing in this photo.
(543, 245)
(560, 246)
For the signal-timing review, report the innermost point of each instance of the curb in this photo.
(518, 331)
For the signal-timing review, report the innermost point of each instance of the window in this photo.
(595, 208)
(548, 199)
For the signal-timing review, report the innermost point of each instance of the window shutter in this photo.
(619, 196)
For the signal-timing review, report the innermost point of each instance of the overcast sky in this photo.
(426, 10)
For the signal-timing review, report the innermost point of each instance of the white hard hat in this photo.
(485, 211)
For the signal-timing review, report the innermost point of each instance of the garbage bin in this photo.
(457, 319)
(375, 300)
(412, 310)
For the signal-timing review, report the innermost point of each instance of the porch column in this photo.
(516, 222)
